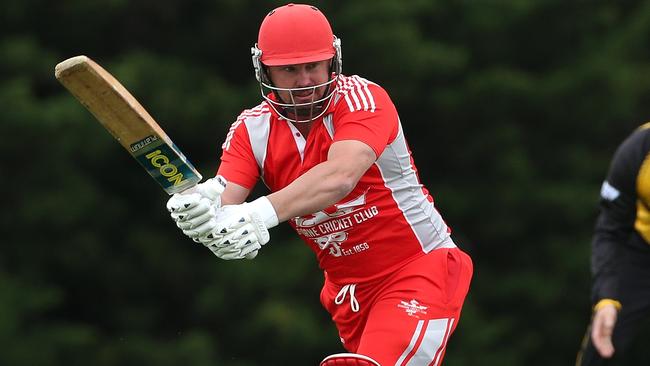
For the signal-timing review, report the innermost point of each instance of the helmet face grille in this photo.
(300, 112)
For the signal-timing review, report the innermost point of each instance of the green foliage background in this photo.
(513, 109)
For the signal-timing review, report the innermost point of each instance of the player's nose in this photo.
(304, 78)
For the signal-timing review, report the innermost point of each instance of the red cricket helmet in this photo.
(295, 34)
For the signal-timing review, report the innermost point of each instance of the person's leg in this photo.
(415, 313)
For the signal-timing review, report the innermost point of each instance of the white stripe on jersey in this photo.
(372, 100)
(430, 348)
(259, 127)
(263, 108)
(356, 93)
(231, 132)
(329, 124)
(362, 85)
(399, 176)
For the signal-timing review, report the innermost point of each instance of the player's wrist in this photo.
(263, 207)
(605, 302)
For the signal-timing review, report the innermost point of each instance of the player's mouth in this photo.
(304, 96)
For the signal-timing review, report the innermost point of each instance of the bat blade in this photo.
(123, 116)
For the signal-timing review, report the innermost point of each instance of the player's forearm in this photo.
(320, 187)
(234, 194)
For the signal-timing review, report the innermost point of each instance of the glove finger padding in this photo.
(240, 231)
(210, 239)
(246, 241)
(231, 252)
(240, 244)
(245, 231)
(217, 241)
(227, 253)
(183, 201)
(196, 221)
(251, 246)
(196, 209)
(240, 222)
(243, 243)
(201, 231)
(232, 219)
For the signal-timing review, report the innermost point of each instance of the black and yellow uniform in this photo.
(620, 257)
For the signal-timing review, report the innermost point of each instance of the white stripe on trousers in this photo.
(429, 350)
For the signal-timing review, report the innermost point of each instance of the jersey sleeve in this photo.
(615, 223)
(367, 114)
(238, 163)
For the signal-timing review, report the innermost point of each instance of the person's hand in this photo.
(241, 230)
(195, 209)
(602, 327)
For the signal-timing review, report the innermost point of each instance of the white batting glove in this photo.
(195, 209)
(242, 230)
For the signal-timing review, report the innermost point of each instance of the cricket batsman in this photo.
(332, 151)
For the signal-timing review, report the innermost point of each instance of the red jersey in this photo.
(387, 220)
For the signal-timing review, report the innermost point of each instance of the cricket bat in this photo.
(123, 116)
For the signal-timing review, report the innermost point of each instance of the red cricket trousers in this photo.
(405, 318)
